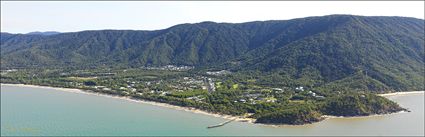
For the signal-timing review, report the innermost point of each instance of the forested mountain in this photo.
(317, 51)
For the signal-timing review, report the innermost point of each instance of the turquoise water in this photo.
(40, 111)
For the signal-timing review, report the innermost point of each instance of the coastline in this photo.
(198, 111)
(386, 95)
(192, 110)
(353, 117)
(401, 93)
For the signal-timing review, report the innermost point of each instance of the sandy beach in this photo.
(192, 110)
(376, 115)
(402, 93)
(198, 111)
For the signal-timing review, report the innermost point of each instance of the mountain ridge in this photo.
(313, 51)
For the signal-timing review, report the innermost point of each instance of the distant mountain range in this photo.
(330, 50)
(46, 33)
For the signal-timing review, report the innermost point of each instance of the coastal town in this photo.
(161, 87)
(213, 91)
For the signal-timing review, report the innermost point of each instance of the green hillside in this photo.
(337, 52)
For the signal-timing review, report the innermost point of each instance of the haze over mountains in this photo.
(327, 50)
(47, 33)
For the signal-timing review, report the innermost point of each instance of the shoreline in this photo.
(401, 93)
(187, 109)
(198, 111)
(354, 117)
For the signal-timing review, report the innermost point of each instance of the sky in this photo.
(71, 16)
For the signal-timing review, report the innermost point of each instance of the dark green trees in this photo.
(359, 105)
(327, 51)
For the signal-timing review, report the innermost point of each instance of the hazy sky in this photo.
(69, 16)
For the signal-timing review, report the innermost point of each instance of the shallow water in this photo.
(41, 111)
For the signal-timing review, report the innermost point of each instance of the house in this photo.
(299, 88)
(196, 98)
(277, 89)
(164, 93)
(271, 100)
(217, 73)
(312, 93)
(99, 87)
(320, 97)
